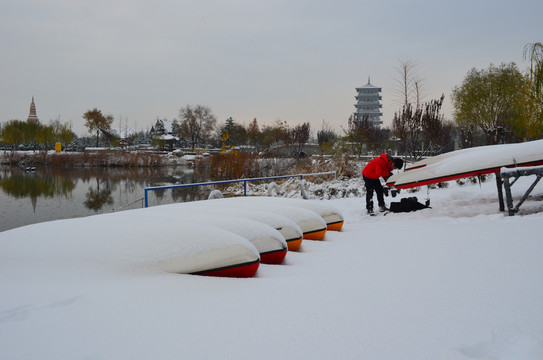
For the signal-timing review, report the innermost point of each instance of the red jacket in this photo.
(378, 167)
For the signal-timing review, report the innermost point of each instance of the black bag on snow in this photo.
(407, 205)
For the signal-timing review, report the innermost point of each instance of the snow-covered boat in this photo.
(468, 162)
(288, 228)
(312, 224)
(330, 214)
(124, 242)
(269, 242)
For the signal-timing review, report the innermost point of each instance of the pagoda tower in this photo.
(32, 117)
(368, 103)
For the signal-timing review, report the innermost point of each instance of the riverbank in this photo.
(114, 158)
(217, 166)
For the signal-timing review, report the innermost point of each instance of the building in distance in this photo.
(368, 104)
(32, 116)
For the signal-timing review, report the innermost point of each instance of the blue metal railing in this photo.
(244, 181)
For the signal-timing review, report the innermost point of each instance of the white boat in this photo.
(468, 162)
(312, 224)
(330, 214)
(126, 242)
(269, 242)
(288, 228)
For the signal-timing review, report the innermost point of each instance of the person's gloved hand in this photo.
(385, 191)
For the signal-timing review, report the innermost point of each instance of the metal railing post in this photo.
(146, 199)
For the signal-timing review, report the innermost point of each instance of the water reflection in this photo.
(52, 193)
(96, 198)
(20, 184)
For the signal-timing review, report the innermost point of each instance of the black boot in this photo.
(369, 207)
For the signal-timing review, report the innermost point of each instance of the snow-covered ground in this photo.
(455, 282)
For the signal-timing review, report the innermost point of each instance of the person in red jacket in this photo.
(381, 166)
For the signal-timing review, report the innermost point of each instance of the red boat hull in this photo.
(274, 257)
(245, 270)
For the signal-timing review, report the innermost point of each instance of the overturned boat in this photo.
(269, 242)
(124, 243)
(288, 228)
(312, 224)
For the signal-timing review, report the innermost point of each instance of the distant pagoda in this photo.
(368, 104)
(32, 117)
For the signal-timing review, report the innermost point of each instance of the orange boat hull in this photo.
(315, 235)
(334, 226)
(294, 244)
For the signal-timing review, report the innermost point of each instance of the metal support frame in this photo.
(244, 181)
(516, 173)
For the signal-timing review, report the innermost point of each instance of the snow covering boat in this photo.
(312, 224)
(126, 242)
(291, 232)
(468, 162)
(330, 214)
(269, 242)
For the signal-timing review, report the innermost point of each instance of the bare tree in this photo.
(407, 126)
(422, 130)
(436, 134)
(408, 86)
(196, 123)
(299, 137)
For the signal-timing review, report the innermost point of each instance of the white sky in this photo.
(296, 61)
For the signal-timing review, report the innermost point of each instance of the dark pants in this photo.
(371, 186)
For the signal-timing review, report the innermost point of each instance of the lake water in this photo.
(28, 197)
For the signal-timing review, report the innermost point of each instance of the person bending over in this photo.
(381, 166)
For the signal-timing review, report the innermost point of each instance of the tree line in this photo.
(197, 127)
(35, 135)
(499, 104)
(495, 105)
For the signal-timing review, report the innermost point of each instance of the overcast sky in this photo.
(294, 61)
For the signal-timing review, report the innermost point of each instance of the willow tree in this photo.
(492, 100)
(62, 131)
(534, 52)
(12, 134)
